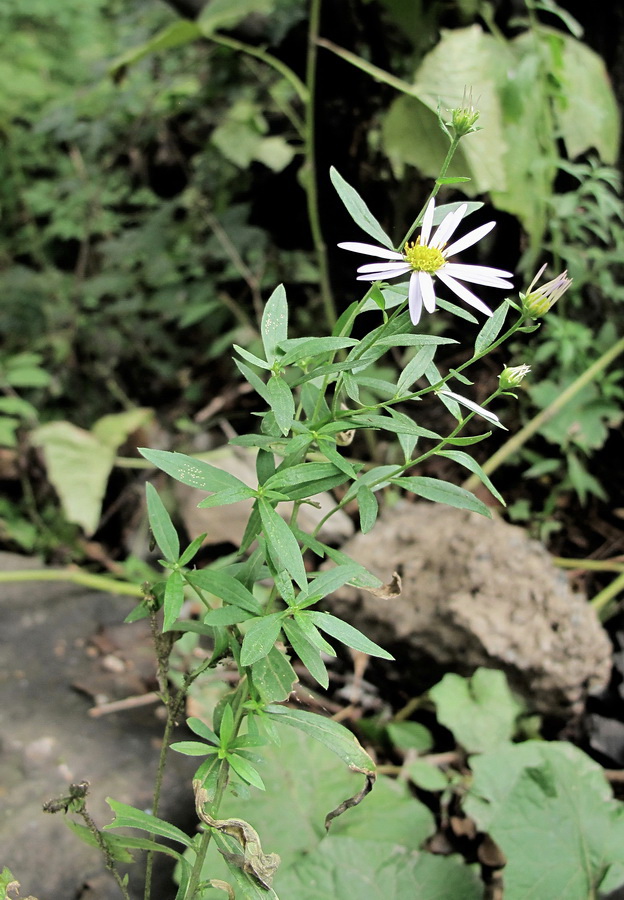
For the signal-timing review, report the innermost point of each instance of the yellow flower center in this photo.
(423, 258)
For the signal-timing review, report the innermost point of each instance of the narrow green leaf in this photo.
(329, 449)
(273, 676)
(298, 349)
(226, 587)
(200, 728)
(404, 425)
(358, 210)
(309, 655)
(192, 549)
(189, 470)
(312, 634)
(413, 340)
(491, 329)
(333, 735)
(347, 634)
(329, 581)
(252, 358)
(162, 527)
(129, 817)
(282, 543)
(274, 325)
(192, 748)
(257, 383)
(226, 726)
(174, 598)
(368, 507)
(464, 459)
(227, 497)
(226, 615)
(259, 638)
(385, 473)
(443, 492)
(245, 771)
(281, 402)
(467, 441)
(415, 369)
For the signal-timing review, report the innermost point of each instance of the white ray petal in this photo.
(426, 289)
(447, 227)
(478, 274)
(469, 239)
(425, 229)
(463, 293)
(415, 299)
(474, 407)
(384, 267)
(370, 250)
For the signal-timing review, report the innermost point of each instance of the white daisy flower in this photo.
(427, 258)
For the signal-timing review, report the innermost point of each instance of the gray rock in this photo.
(476, 592)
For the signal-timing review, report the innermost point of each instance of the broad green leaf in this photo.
(426, 776)
(480, 711)
(550, 809)
(174, 598)
(227, 13)
(226, 587)
(274, 325)
(114, 429)
(192, 471)
(346, 867)
(273, 676)
(129, 817)
(180, 32)
(464, 459)
(358, 210)
(260, 637)
(309, 655)
(162, 527)
(348, 634)
(282, 543)
(78, 466)
(332, 734)
(491, 329)
(410, 736)
(442, 492)
(282, 402)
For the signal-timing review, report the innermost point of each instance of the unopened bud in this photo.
(536, 303)
(464, 117)
(512, 376)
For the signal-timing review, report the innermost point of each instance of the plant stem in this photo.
(604, 597)
(518, 440)
(86, 579)
(310, 179)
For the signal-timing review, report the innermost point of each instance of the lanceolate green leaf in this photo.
(335, 736)
(443, 492)
(129, 817)
(226, 587)
(260, 637)
(358, 210)
(273, 676)
(282, 402)
(274, 325)
(309, 655)
(227, 497)
(189, 470)
(174, 598)
(282, 543)
(464, 459)
(347, 634)
(162, 527)
(491, 329)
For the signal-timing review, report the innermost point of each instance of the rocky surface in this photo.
(476, 592)
(57, 654)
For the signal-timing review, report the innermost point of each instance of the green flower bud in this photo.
(464, 117)
(512, 376)
(536, 303)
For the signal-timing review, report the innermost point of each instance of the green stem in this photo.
(284, 70)
(605, 596)
(436, 187)
(86, 579)
(310, 179)
(515, 443)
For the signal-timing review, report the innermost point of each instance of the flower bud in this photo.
(512, 376)
(464, 117)
(536, 303)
